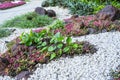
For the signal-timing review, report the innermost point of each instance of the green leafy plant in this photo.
(57, 24)
(29, 20)
(5, 32)
(116, 75)
(83, 7)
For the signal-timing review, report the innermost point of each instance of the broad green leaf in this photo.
(60, 51)
(21, 36)
(29, 43)
(51, 48)
(60, 46)
(52, 40)
(44, 48)
(44, 44)
(36, 40)
(52, 56)
(60, 39)
(75, 46)
(66, 49)
(31, 33)
(69, 40)
(57, 34)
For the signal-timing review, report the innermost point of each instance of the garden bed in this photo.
(7, 5)
(43, 47)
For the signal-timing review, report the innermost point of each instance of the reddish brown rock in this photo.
(109, 13)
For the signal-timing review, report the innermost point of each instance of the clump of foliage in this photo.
(87, 25)
(116, 75)
(78, 26)
(5, 32)
(29, 20)
(41, 47)
(83, 7)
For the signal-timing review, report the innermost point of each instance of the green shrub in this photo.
(29, 20)
(81, 8)
(5, 32)
(84, 7)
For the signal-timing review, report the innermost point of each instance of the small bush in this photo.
(5, 32)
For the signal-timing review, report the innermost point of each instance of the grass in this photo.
(29, 20)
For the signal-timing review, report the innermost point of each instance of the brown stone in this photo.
(40, 11)
(3, 63)
(51, 13)
(23, 74)
(109, 13)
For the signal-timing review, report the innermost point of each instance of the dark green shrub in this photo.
(81, 8)
(84, 7)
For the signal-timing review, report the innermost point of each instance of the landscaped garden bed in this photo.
(42, 45)
(11, 4)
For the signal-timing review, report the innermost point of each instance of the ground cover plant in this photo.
(83, 25)
(29, 20)
(40, 47)
(82, 7)
(6, 32)
(116, 74)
